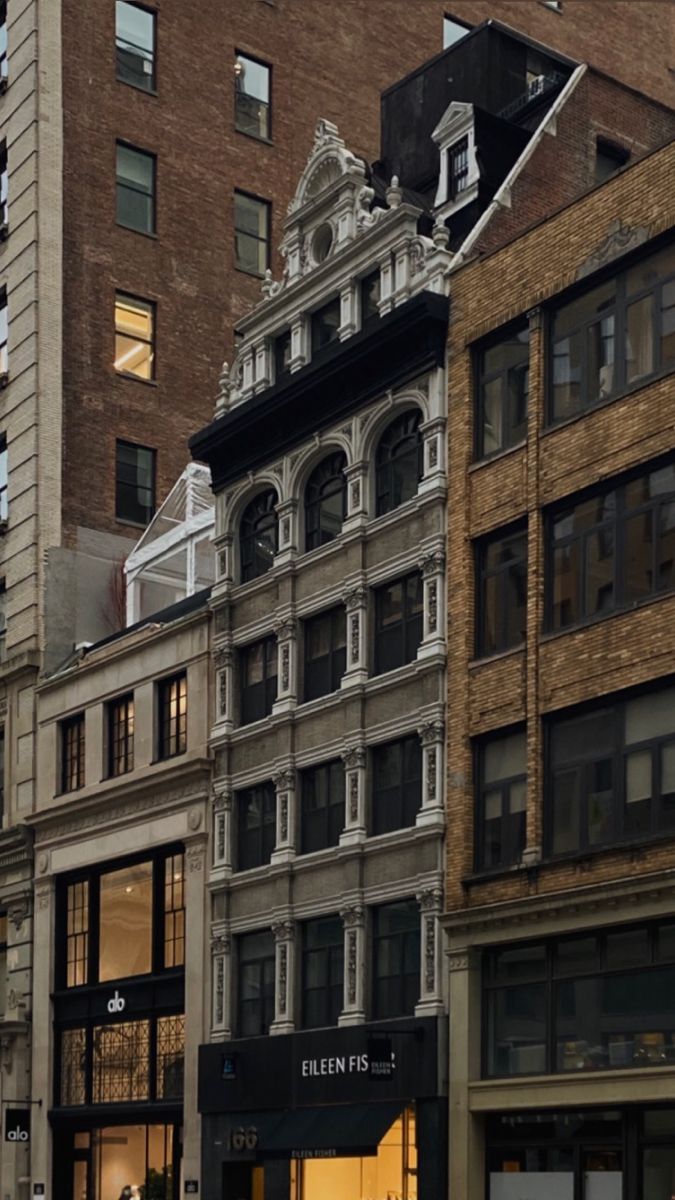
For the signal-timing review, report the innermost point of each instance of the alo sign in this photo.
(17, 1125)
(117, 1004)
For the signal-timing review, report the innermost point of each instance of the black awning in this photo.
(338, 1131)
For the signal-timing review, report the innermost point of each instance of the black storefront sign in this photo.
(17, 1126)
(381, 1058)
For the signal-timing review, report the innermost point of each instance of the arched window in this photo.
(398, 462)
(325, 501)
(258, 536)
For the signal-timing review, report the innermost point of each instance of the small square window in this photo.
(251, 233)
(134, 336)
(252, 85)
(172, 714)
(134, 483)
(72, 753)
(135, 45)
(136, 171)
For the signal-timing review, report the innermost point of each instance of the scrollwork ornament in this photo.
(284, 931)
(431, 732)
(353, 757)
(430, 899)
(353, 797)
(432, 563)
(352, 915)
(355, 597)
(430, 954)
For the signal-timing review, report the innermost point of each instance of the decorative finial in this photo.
(267, 284)
(440, 234)
(394, 194)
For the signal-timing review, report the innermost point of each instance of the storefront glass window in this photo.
(135, 1156)
(121, 1062)
(126, 922)
(392, 1172)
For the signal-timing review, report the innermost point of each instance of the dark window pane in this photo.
(135, 189)
(251, 97)
(325, 323)
(134, 483)
(251, 233)
(121, 736)
(503, 372)
(72, 753)
(255, 1009)
(398, 622)
(325, 501)
(502, 585)
(325, 652)
(398, 462)
(258, 536)
(282, 355)
(135, 42)
(323, 806)
(517, 1030)
(258, 679)
(396, 951)
(256, 826)
(397, 784)
(370, 296)
(322, 971)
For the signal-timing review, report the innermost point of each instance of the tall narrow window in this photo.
(4, 191)
(370, 297)
(397, 784)
(3, 45)
(136, 172)
(135, 43)
(258, 679)
(398, 462)
(325, 501)
(134, 336)
(121, 735)
(323, 806)
(255, 979)
(283, 349)
(251, 233)
(4, 363)
(322, 970)
(396, 959)
(258, 534)
(256, 825)
(503, 377)
(398, 622)
(134, 483)
(4, 493)
(252, 96)
(458, 168)
(77, 934)
(172, 704)
(501, 800)
(325, 324)
(72, 753)
(501, 592)
(174, 910)
(325, 652)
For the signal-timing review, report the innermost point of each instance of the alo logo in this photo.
(17, 1135)
(117, 1004)
(17, 1125)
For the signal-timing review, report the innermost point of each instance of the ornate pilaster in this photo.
(354, 759)
(353, 1008)
(355, 600)
(432, 566)
(247, 373)
(433, 446)
(287, 512)
(357, 496)
(430, 1003)
(224, 548)
(221, 987)
(347, 310)
(222, 831)
(286, 629)
(284, 782)
(263, 365)
(299, 337)
(223, 661)
(284, 940)
(432, 811)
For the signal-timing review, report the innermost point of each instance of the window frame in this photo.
(385, 468)
(152, 90)
(317, 343)
(263, 834)
(324, 680)
(266, 1001)
(619, 750)
(514, 851)
(408, 799)
(336, 462)
(151, 307)
(250, 707)
(458, 168)
(259, 62)
(72, 744)
(483, 378)
(615, 525)
(119, 483)
(172, 730)
(407, 625)
(120, 735)
(402, 936)
(448, 17)
(256, 512)
(329, 814)
(331, 959)
(121, 186)
(266, 240)
(618, 310)
(482, 574)
(4, 335)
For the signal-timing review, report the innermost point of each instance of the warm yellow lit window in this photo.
(134, 336)
(392, 1172)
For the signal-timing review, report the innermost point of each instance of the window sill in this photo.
(154, 237)
(132, 524)
(137, 87)
(638, 386)
(487, 459)
(136, 378)
(498, 655)
(254, 137)
(251, 274)
(487, 874)
(585, 857)
(591, 622)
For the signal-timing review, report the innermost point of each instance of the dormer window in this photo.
(458, 168)
(325, 325)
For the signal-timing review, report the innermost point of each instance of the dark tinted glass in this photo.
(398, 462)
(325, 324)
(135, 42)
(134, 483)
(258, 536)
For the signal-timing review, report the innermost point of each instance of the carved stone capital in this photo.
(284, 780)
(432, 563)
(355, 597)
(222, 801)
(430, 899)
(223, 657)
(285, 628)
(222, 944)
(17, 912)
(353, 757)
(353, 915)
(431, 732)
(284, 931)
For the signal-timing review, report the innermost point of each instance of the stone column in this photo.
(354, 759)
(286, 629)
(287, 512)
(247, 373)
(221, 804)
(284, 990)
(223, 661)
(195, 997)
(356, 603)
(353, 1009)
(284, 782)
(42, 1030)
(432, 811)
(432, 566)
(465, 1143)
(299, 338)
(347, 311)
(430, 1003)
(15, 1033)
(263, 364)
(433, 446)
(221, 987)
(357, 496)
(224, 547)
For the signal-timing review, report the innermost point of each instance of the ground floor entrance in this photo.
(117, 1162)
(587, 1154)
